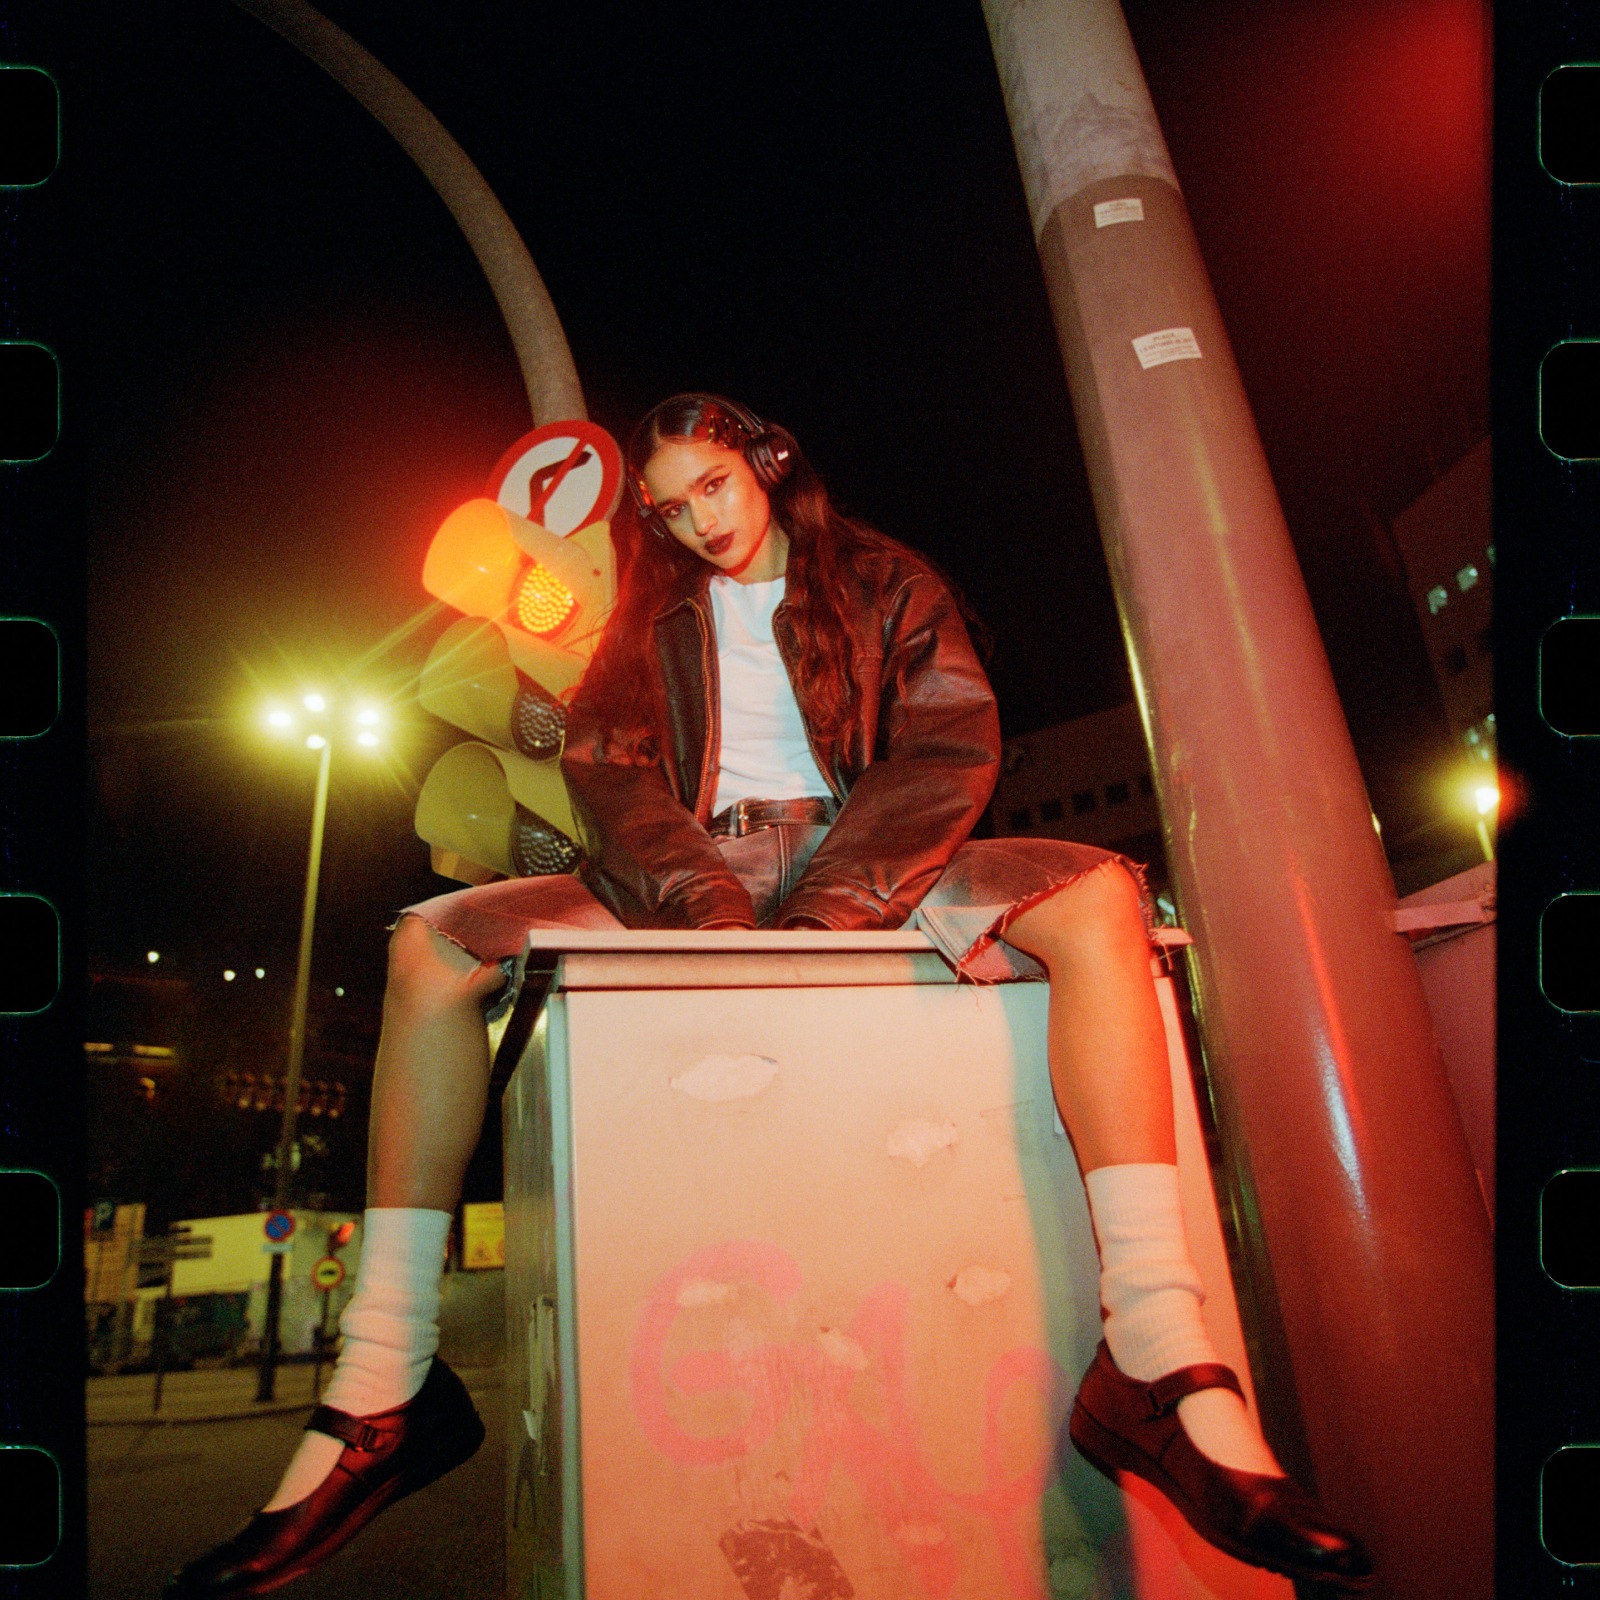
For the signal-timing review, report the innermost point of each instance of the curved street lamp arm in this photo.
(554, 393)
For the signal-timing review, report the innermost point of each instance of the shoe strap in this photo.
(1166, 1392)
(358, 1434)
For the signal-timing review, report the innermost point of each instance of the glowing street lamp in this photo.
(1486, 801)
(319, 719)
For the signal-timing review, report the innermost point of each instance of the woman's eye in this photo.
(671, 513)
(715, 484)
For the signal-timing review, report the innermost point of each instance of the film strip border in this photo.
(1547, 519)
(41, 896)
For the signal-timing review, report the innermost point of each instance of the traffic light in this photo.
(535, 599)
(340, 1236)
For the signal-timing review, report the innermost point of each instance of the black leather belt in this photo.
(749, 816)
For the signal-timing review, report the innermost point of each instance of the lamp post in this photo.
(321, 741)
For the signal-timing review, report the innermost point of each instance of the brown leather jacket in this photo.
(914, 770)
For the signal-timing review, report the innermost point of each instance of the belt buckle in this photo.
(740, 817)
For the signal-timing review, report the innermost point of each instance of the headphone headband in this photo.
(770, 450)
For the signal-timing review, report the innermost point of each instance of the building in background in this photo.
(218, 1303)
(1446, 542)
(1088, 780)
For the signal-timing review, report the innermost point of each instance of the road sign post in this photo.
(327, 1275)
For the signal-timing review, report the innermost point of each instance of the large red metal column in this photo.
(1367, 1241)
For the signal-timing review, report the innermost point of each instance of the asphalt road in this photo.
(161, 1492)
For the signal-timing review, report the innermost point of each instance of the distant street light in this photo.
(1486, 798)
(320, 738)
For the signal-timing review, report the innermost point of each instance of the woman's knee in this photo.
(429, 972)
(1105, 902)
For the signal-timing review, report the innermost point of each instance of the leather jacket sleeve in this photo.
(648, 857)
(926, 782)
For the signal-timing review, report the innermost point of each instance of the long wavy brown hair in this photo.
(622, 687)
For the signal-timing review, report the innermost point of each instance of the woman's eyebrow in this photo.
(694, 484)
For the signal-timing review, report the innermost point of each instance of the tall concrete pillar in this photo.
(1367, 1242)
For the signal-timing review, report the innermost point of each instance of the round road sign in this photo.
(328, 1273)
(563, 476)
(278, 1226)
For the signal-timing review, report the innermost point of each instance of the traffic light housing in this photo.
(534, 605)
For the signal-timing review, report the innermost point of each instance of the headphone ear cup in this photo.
(771, 455)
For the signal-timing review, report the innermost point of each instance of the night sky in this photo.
(286, 368)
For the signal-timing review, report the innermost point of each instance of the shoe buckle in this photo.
(1163, 1395)
(353, 1431)
(1158, 1405)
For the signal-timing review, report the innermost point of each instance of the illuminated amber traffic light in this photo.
(534, 605)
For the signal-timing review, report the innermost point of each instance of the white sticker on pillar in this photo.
(1166, 344)
(1109, 212)
(726, 1077)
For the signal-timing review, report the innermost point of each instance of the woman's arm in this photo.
(640, 836)
(938, 755)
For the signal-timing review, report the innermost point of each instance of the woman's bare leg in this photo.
(1109, 1070)
(431, 1080)
(429, 1088)
(1107, 1043)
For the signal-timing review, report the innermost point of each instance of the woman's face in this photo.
(713, 504)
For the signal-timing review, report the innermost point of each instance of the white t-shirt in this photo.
(765, 754)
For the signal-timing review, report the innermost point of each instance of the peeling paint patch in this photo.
(704, 1292)
(979, 1285)
(919, 1141)
(726, 1077)
(842, 1350)
(778, 1561)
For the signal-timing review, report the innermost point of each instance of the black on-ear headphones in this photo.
(770, 450)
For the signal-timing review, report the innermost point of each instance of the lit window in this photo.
(1466, 577)
(1490, 554)
(1438, 599)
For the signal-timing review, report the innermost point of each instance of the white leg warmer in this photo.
(1151, 1295)
(390, 1328)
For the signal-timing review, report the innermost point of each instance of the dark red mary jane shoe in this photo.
(386, 1457)
(1123, 1425)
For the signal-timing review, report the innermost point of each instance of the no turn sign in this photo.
(328, 1273)
(563, 476)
